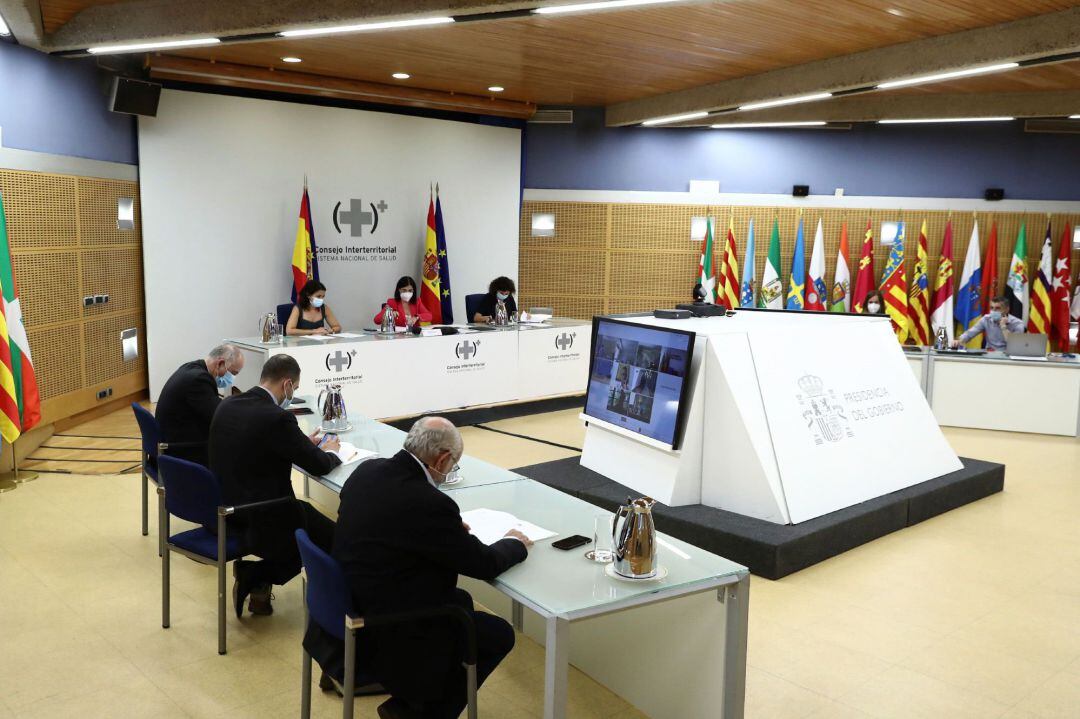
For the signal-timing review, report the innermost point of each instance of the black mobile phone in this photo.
(301, 410)
(571, 542)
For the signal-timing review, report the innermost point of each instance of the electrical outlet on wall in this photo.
(99, 299)
(88, 301)
(102, 393)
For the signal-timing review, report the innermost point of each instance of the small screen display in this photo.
(638, 378)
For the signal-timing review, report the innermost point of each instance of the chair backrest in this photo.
(328, 597)
(472, 304)
(283, 312)
(151, 434)
(192, 492)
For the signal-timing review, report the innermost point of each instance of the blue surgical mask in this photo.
(225, 381)
(286, 401)
(995, 315)
(317, 302)
(503, 296)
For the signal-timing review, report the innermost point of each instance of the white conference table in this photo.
(999, 392)
(403, 374)
(562, 587)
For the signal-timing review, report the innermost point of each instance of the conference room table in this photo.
(563, 588)
(999, 392)
(401, 374)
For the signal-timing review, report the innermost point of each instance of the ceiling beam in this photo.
(1036, 37)
(23, 18)
(255, 78)
(877, 106)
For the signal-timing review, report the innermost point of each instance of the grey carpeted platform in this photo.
(480, 415)
(776, 550)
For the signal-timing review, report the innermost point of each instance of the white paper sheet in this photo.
(350, 453)
(348, 335)
(319, 338)
(489, 526)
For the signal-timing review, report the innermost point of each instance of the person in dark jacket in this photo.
(189, 399)
(254, 443)
(501, 289)
(402, 544)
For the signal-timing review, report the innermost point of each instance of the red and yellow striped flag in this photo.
(729, 271)
(1039, 316)
(919, 313)
(10, 423)
(305, 262)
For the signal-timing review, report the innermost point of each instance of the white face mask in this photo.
(406, 296)
(317, 302)
(873, 308)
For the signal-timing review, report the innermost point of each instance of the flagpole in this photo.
(10, 480)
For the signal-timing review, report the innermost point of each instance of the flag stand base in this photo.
(6, 485)
(17, 477)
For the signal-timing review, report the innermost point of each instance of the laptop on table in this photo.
(1026, 346)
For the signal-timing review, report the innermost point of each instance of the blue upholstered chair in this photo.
(151, 446)
(191, 492)
(472, 304)
(283, 312)
(328, 602)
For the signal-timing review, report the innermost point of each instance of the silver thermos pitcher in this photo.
(269, 328)
(502, 317)
(332, 406)
(941, 339)
(389, 317)
(633, 539)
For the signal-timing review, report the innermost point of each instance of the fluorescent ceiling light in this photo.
(140, 46)
(813, 123)
(389, 25)
(291, 59)
(945, 119)
(4, 30)
(1074, 117)
(674, 118)
(584, 7)
(401, 76)
(496, 88)
(787, 101)
(948, 75)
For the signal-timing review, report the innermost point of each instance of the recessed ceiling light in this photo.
(786, 101)
(737, 125)
(945, 119)
(896, 11)
(496, 88)
(584, 7)
(401, 76)
(948, 75)
(291, 59)
(389, 25)
(140, 46)
(674, 118)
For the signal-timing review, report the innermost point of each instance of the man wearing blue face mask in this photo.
(190, 398)
(501, 289)
(996, 326)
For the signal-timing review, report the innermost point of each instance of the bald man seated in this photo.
(401, 543)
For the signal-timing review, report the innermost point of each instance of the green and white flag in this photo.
(705, 266)
(772, 288)
(1016, 286)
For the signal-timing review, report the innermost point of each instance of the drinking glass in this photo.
(601, 546)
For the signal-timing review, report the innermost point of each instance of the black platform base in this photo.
(776, 550)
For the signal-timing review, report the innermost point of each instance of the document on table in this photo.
(348, 335)
(320, 338)
(349, 453)
(489, 526)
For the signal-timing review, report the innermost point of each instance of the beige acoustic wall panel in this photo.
(58, 359)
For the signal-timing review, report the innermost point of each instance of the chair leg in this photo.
(163, 531)
(349, 685)
(161, 536)
(222, 561)
(305, 686)
(470, 678)
(145, 504)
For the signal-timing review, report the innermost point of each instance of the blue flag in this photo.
(444, 264)
(746, 291)
(968, 302)
(797, 278)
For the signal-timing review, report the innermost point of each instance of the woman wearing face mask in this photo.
(311, 315)
(407, 307)
(501, 288)
(874, 303)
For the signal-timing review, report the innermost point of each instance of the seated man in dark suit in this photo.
(254, 443)
(189, 399)
(402, 544)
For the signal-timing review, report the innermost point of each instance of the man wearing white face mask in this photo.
(996, 326)
(501, 289)
(190, 398)
(254, 443)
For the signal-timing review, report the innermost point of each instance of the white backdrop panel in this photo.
(221, 179)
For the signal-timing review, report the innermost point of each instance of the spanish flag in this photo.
(305, 263)
(20, 405)
(431, 286)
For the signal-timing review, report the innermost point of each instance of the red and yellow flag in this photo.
(729, 271)
(919, 312)
(894, 287)
(1039, 315)
(305, 264)
(431, 285)
(1059, 298)
(17, 378)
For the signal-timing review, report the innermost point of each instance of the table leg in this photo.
(736, 599)
(517, 615)
(556, 666)
(307, 488)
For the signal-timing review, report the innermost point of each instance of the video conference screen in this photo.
(637, 378)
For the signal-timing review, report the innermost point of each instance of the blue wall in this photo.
(897, 160)
(58, 106)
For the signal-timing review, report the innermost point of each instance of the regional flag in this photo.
(305, 262)
(865, 281)
(815, 288)
(1016, 286)
(989, 270)
(746, 291)
(445, 299)
(941, 305)
(705, 270)
(919, 300)
(1059, 297)
(729, 271)
(772, 289)
(841, 289)
(430, 290)
(1039, 316)
(797, 279)
(21, 365)
(968, 303)
(894, 287)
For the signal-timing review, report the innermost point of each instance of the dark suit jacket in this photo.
(185, 409)
(487, 305)
(401, 544)
(253, 446)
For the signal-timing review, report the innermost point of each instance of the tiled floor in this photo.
(972, 614)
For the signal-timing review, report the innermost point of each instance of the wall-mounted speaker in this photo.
(994, 194)
(134, 97)
(800, 190)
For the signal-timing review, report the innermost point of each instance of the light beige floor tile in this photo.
(509, 452)
(561, 427)
(826, 667)
(138, 698)
(1057, 698)
(906, 694)
(838, 710)
(1025, 635)
(876, 633)
(770, 697)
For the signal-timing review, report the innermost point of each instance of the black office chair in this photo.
(328, 601)
(472, 305)
(283, 312)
